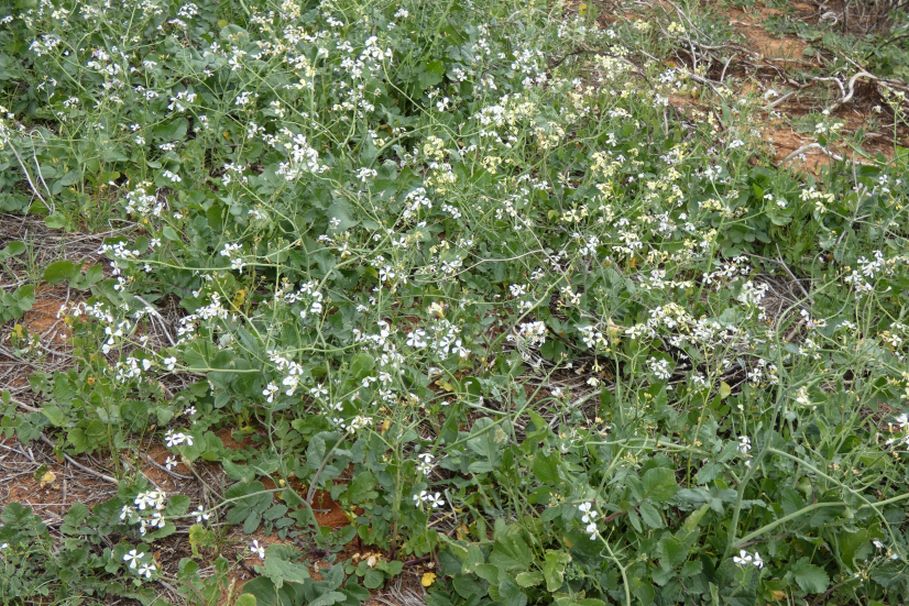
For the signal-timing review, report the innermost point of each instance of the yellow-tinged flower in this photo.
(428, 579)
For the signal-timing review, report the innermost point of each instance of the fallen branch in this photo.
(808, 146)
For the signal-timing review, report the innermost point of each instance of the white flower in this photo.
(257, 550)
(660, 369)
(417, 339)
(133, 557)
(201, 515)
(156, 520)
(588, 517)
(743, 558)
(150, 499)
(147, 570)
(758, 562)
(170, 463)
(175, 438)
(172, 439)
(744, 444)
(434, 500)
(365, 174)
(426, 463)
(171, 176)
(746, 559)
(269, 392)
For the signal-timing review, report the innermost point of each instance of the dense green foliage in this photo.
(461, 266)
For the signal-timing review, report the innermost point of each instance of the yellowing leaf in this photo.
(725, 390)
(445, 385)
(239, 298)
(47, 478)
(428, 579)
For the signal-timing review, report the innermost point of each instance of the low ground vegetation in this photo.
(453, 302)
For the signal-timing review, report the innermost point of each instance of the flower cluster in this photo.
(589, 517)
(147, 511)
(433, 499)
(308, 298)
(141, 563)
(748, 559)
(527, 337)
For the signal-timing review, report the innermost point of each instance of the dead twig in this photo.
(77, 464)
(808, 146)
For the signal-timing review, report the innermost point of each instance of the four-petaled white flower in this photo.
(133, 557)
(748, 559)
(175, 438)
(433, 499)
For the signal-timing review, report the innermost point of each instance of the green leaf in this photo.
(13, 305)
(361, 364)
(55, 220)
(430, 74)
(235, 471)
(266, 594)
(546, 467)
(373, 579)
(175, 130)
(554, 565)
(252, 521)
(510, 551)
(200, 537)
(509, 593)
(342, 212)
(528, 579)
(571, 601)
(178, 505)
(672, 552)
(247, 599)
(694, 519)
(660, 484)
(651, 515)
(14, 248)
(55, 415)
(810, 578)
(92, 276)
(327, 599)
(170, 233)
(280, 567)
